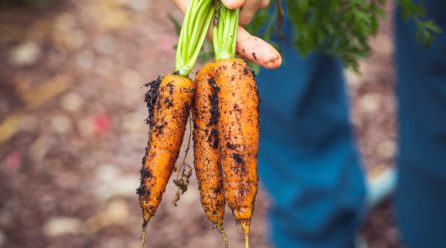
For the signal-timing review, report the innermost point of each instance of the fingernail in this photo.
(233, 4)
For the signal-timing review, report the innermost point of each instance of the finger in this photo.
(233, 4)
(257, 50)
(181, 4)
(248, 11)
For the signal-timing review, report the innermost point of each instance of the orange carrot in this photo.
(206, 143)
(169, 101)
(238, 132)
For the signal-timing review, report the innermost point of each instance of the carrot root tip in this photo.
(223, 234)
(143, 234)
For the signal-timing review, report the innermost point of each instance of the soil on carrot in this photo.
(72, 127)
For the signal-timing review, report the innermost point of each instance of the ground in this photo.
(72, 130)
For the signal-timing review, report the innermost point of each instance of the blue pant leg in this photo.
(307, 160)
(421, 89)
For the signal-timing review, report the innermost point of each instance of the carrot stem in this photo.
(193, 32)
(225, 33)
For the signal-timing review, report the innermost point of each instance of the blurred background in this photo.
(72, 130)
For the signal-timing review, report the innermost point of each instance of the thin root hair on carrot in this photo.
(184, 172)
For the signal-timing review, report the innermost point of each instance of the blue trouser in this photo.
(308, 161)
(421, 91)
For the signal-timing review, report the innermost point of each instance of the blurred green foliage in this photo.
(339, 27)
(31, 3)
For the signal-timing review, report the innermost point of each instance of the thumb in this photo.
(233, 4)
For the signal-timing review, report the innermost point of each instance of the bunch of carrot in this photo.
(224, 102)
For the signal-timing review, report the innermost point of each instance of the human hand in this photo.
(248, 46)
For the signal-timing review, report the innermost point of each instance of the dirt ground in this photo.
(72, 130)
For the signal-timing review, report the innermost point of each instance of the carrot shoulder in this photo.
(169, 103)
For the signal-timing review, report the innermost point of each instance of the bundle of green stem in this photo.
(196, 23)
(225, 33)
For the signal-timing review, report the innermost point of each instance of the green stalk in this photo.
(193, 32)
(225, 33)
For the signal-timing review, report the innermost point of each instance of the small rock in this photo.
(387, 149)
(65, 34)
(118, 211)
(370, 103)
(107, 172)
(113, 242)
(61, 226)
(138, 5)
(124, 186)
(72, 102)
(111, 183)
(25, 54)
(134, 123)
(353, 80)
(61, 124)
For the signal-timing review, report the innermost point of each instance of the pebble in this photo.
(72, 102)
(387, 149)
(112, 243)
(353, 80)
(134, 123)
(370, 103)
(65, 35)
(118, 211)
(111, 183)
(25, 54)
(58, 226)
(138, 5)
(61, 124)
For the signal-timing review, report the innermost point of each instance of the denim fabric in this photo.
(308, 160)
(421, 93)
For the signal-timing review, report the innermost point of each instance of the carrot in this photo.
(238, 132)
(206, 143)
(169, 104)
(238, 125)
